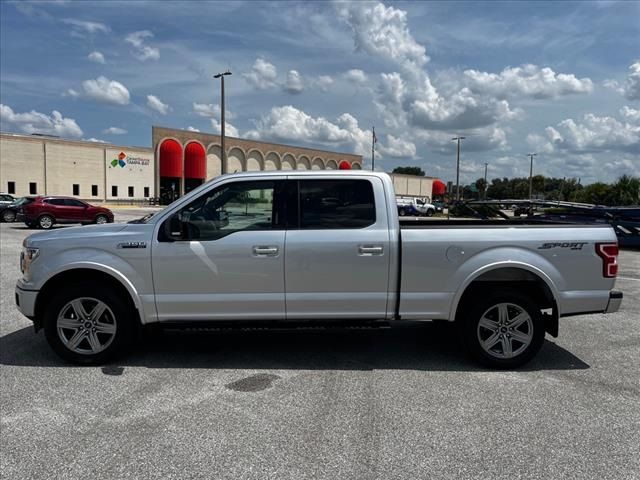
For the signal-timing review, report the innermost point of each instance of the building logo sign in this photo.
(123, 160)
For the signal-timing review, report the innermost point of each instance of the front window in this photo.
(230, 208)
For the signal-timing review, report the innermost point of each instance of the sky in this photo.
(561, 79)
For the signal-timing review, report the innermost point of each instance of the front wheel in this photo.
(430, 213)
(402, 212)
(88, 325)
(503, 330)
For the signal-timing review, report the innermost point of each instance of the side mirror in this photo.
(172, 228)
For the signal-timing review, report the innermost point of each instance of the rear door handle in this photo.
(265, 251)
(369, 250)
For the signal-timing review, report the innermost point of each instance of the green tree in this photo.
(409, 171)
(481, 185)
(626, 191)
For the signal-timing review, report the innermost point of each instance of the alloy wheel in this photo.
(86, 325)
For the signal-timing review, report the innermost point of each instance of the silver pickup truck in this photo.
(312, 246)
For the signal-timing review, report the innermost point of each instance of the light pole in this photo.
(485, 179)
(458, 138)
(223, 168)
(531, 155)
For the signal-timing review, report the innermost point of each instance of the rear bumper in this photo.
(615, 299)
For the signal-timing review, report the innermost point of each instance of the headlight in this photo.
(28, 255)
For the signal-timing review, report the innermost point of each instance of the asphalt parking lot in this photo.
(399, 403)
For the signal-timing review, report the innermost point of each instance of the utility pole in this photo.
(485, 179)
(531, 155)
(458, 138)
(373, 147)
(223, 151)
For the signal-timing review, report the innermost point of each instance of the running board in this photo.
(258, 325)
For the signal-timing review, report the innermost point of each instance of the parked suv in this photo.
(44, 212)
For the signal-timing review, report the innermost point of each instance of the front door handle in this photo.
(265, 251)
(369, 250)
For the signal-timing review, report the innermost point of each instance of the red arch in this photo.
(195, 161)
(344, 165)
(170, 159)
(438, 187)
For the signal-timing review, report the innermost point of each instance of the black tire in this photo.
(402, 213)
(45, 222)
(118, 308)
(8, 216)
(430, 212)
(488, 306)
(101, 219)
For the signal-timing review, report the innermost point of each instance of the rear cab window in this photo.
(336, 204)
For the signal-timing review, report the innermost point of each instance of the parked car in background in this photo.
(415, 206)
(45, 212)
(6, 198)
(440, 206)
(8, 210)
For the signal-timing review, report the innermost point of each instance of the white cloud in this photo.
(631, 87)
(96, 140)
(114, 131)
(96, 57)
(263, 74)
(287, 123)
(36, 122)
(229, 130)
(632, 84)
(356, 76)
(323, 82)
(398, 147)
(192, 129)
(140, 50)
(83, 26)
(382, 31)
(210, 110)
(408, 98)
(593, 133)
(630, 114)
(294, 83)
(103, 90)
(527, 80)
(156, 104)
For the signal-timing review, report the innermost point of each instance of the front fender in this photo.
(509, 257)
(133, 273)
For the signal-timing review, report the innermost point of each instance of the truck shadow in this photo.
(424, 347)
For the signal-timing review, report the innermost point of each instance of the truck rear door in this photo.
(338, 250)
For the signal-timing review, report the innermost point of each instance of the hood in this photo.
(87, 231)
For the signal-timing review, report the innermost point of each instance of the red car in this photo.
(44, 212)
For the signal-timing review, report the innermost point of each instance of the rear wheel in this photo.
(45, 222)
(502, 330)
(402, 213)
(102, 219)
(430, 212)
(88, 325)
(8, 216)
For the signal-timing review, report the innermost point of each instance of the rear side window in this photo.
(55, 201)
(333, 204)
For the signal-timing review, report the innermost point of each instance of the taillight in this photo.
(608, 252)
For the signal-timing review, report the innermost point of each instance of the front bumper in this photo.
(26, 301)
(615, 299)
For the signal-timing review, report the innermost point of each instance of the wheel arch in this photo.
(514, 275)
(88, 275)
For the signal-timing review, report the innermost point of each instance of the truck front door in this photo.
(221, 257)
(337, 261)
